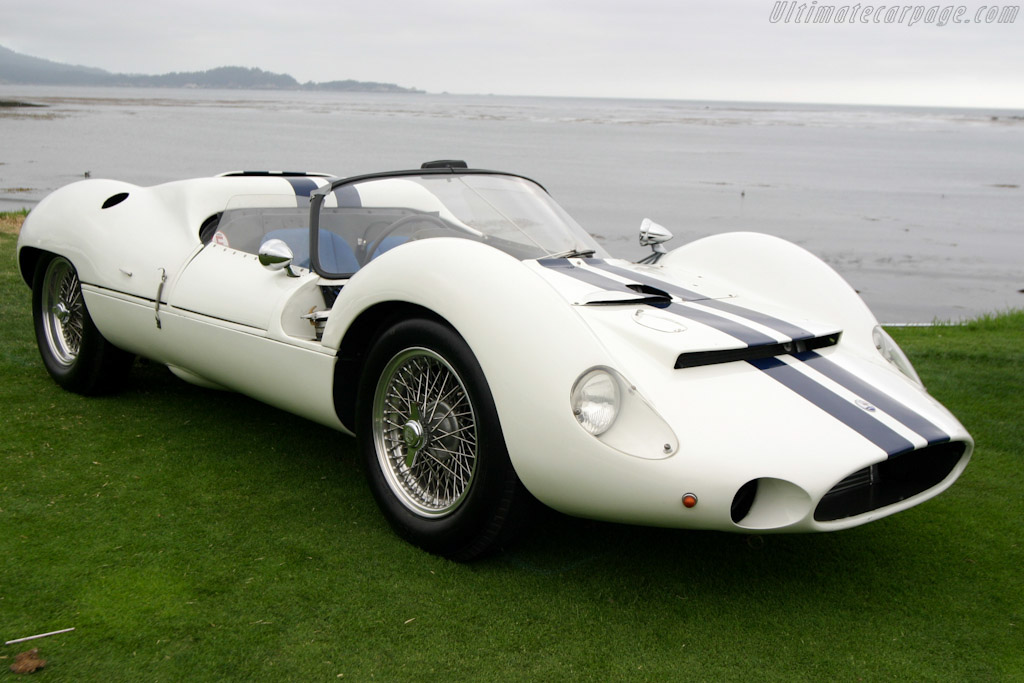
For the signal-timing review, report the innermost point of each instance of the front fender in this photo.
(531, 345)
(761, 267)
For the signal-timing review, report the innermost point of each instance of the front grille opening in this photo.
(889, 482)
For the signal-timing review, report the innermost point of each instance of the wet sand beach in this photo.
(920, 209)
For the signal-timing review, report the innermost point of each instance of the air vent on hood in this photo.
(114, 200)
(646, 295)
(694, 359)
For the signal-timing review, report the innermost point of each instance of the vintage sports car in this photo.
(488, 353)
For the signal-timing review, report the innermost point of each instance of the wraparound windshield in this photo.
(361, 220)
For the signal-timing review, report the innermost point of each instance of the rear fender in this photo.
(127, 246)
(127, 238)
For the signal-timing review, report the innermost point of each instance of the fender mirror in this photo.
(654, 236)
(277, 255)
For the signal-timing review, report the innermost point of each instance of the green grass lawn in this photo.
(188, 534)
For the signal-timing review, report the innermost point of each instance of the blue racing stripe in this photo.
(838, 407)
(565, 267)
(931, 433)
(303, 186)
(348, 197)
(674, 290)
(745, 334)
(792, 331)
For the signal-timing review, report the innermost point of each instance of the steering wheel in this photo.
(424, 218)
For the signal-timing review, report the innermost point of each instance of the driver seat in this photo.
(336, 256)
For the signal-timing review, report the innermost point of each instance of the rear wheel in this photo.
(432, 445)
(74, 352)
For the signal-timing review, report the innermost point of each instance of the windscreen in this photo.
(364, 219)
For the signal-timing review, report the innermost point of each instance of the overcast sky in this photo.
(674, 49)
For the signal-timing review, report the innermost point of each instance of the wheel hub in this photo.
(62, 313)
(413, 434)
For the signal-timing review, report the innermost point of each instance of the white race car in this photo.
(486, 351)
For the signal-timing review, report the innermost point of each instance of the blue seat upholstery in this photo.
(388, 243)
(335, 254)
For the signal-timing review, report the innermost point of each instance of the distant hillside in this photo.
(19, 69)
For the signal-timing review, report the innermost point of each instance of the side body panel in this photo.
(226, 322)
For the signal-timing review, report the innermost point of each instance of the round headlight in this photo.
(891, 351)
(595, 401)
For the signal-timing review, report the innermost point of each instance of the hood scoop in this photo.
(635, 294)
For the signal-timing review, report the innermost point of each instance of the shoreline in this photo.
(914, 207)
(11, 222)
(1003, 113)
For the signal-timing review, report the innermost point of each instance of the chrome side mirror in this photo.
(277, 255)
(654, 236)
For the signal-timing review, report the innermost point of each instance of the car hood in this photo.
(679, 320)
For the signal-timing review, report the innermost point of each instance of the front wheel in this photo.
(74, 352)
(432, 445)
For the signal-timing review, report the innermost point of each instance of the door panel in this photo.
(228, 284)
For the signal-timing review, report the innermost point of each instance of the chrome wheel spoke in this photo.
(63, 311)
(425, 431)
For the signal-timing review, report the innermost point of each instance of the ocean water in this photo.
(922, 210)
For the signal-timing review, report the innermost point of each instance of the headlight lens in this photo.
(891, 351)
(595, 401)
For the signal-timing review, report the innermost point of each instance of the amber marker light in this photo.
(689, 500)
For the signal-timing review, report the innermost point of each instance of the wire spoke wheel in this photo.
(425, 432)
(431, 443)
(63, 312)
(74, 352)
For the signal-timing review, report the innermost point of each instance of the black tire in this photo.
(432, 446)
(74, 352)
